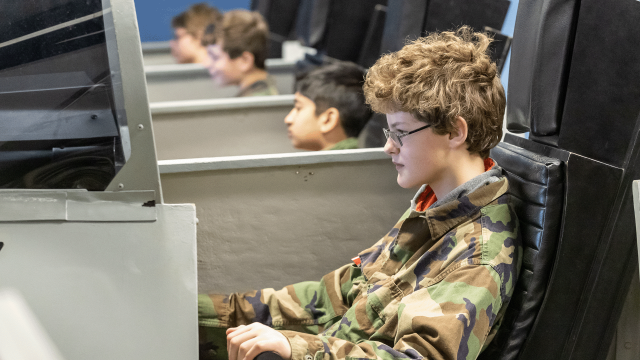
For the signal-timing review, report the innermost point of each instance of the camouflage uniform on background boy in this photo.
(437, 285)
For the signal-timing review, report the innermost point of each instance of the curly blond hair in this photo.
(439, 77)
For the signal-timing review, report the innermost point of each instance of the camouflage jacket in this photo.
(346, 144)
(264, 87)
(435, 287)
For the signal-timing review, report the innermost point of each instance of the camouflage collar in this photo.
(443, 218)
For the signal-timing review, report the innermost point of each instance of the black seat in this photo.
(536, 187)
(580, 103)
(409, 19)
(335, 28)
(281, 16)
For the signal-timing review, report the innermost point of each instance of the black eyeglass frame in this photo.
(398, 136)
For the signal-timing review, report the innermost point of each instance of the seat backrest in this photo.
(499, 48)
(543, 35)
(447, 15)
(407, 20)
(335, 28)
(280, 16)
(370, 50)
(404, 20)
(536, 187)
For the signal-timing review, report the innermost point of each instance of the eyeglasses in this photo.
(396, 137)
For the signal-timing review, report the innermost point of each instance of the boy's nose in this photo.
(289, 118)
(390, 147)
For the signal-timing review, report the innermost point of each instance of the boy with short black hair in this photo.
(329, 109)
(438, 284)
(238, 49)
(188, 28)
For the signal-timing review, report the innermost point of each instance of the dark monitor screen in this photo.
(59, 121)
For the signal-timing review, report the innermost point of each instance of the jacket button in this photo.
(308, 357)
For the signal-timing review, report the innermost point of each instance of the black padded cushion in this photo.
(536, 188)
(540, 58)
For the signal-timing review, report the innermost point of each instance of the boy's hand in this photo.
(246, 342)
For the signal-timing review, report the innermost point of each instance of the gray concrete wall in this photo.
(273, 220)
(221, 127)
(192, 81)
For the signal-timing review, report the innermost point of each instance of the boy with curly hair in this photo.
(438, 284)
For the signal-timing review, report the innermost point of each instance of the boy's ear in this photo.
(329, 120)
(459, 137)
(246, 61)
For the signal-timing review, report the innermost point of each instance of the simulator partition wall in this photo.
(85, 237)
(574, 84)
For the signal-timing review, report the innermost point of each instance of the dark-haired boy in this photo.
(438, 284)
(237, 47)
(329, 109)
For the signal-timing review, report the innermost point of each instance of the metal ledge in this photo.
(190, 69)
(270, 160)
(173, 107)
(77, 205)
(175, 69)
(156, 46)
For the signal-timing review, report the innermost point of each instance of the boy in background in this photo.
(329, 109)
(188, 29)
(237, 48)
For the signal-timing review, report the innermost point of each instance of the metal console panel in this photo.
(67, 118)
(104, 288)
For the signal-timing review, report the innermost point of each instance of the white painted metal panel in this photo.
(21, 335)
(109, 290)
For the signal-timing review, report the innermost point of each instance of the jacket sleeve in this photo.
(448, 319)
(306, 306)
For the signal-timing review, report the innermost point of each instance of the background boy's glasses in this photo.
(396, 137)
